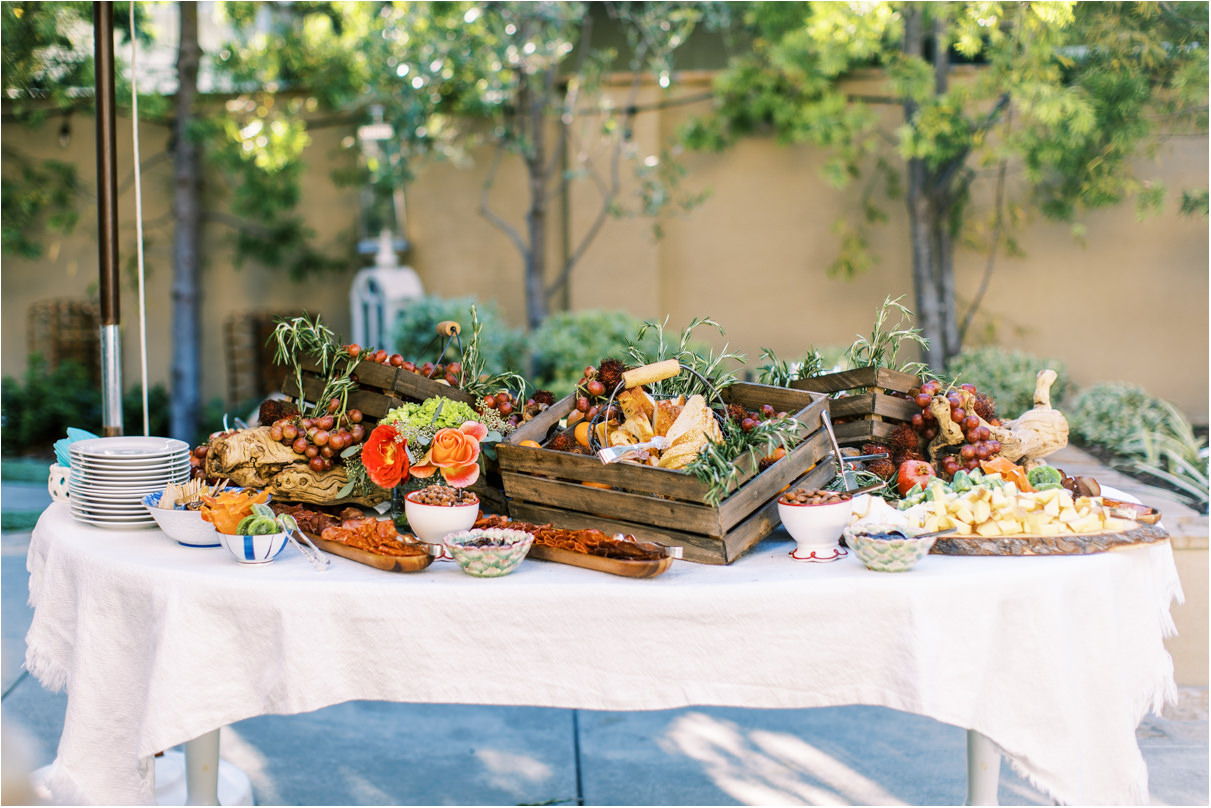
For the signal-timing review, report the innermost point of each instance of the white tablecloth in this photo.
(1055, 659)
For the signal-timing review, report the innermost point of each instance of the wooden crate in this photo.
(382, 388)
(865, 411)
(661, 505)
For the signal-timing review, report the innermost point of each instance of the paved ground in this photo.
(372, 753)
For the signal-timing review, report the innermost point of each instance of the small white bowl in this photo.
(258, 549)
(187, 527)
(432, 523)
(816, 529)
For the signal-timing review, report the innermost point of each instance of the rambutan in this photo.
(984, 406)
(275, 409)
(903, 439)
(883, 467)
(544, 397)
(609, 373)
(563, 442)
(736, 412)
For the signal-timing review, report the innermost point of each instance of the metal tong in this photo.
(299, 539)
(848, 475)
(612, 454)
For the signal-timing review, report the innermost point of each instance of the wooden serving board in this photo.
(626, 567)
(413, 563)
(1048, 545)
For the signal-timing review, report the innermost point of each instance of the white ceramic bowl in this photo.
(258, 549)
(431, 523)
(490, 552)
(883, 554)
(816, 529)
(187, 527)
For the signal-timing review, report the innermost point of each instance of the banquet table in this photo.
(1050, 661)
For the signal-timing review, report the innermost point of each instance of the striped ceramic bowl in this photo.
(258, 549)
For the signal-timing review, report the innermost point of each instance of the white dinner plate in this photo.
(111, 516)
(137, 465)
(111, 505)
(128, 447)
(110, 525)
(128, 484)
(129, 467)
(110, 502)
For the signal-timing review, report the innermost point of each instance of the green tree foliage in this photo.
(46, 70)
(1065, 94)
(450, 77)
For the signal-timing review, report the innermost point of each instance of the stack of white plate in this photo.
(110, 477)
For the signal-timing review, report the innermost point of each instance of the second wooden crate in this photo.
(866, 404)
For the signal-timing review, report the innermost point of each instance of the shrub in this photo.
(416, 336)
(1007, 376)
(568, 341)
(38, 410)
(1111, 415)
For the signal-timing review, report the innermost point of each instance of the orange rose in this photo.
(455, 452)
(385, 456)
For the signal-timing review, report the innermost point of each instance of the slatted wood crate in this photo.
(382, 388)
(866, 410)
(661, 505)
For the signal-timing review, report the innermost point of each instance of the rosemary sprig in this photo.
(299, 337)
(476, 381)
(716, 465)
(710, 365)
(882, 348)
(780, 373)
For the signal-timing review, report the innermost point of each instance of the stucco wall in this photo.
(1131, 304)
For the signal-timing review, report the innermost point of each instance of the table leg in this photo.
(983, 770)
(202, 769)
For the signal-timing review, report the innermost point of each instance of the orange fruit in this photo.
(582, 433)
(533, 444)
(602, 486)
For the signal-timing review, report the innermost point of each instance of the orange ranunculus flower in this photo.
(385, 456)
(455, 452)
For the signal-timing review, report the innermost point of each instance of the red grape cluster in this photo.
(449, 373)
(321, 439)
(980, 443)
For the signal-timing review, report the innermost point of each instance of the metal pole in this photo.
(107, 219)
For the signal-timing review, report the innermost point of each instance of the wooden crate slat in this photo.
(901, 409)
(579, 468)
(574, 496)
(773, 480)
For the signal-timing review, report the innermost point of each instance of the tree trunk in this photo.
(186, 203)
(536, 216)
(929, 199)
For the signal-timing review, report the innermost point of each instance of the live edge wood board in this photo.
(869, 411)
(661, 505)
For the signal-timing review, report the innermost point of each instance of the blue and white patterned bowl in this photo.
(186, 526)
(257, 549)
(489, 552)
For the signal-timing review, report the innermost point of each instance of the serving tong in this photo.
(612, 454)
(848, 476)
(305, 546)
